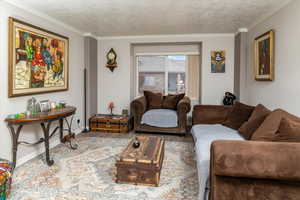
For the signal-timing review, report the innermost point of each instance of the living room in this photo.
(109, 50)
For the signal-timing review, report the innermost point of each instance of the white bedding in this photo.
(163, 118)
(204, 135)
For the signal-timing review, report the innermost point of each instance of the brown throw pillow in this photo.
(259, 111)
(154, 100)
(171, 101)
(239, 114)
(268, 129)
(257, 117)
(289, 131)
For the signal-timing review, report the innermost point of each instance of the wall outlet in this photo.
(77, 126)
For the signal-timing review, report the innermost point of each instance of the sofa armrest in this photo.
(257, 160)
(183, 108)
(139, 106)
(184, 105)
(210, 114)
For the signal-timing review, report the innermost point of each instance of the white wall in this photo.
(15, 105)
(284, 91)
(115, 87)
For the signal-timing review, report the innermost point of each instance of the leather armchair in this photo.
(139, 107)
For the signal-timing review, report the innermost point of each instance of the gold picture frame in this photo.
(38, 60)
(264, 57)
(218, 59)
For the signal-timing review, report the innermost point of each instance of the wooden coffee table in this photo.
(141, 166)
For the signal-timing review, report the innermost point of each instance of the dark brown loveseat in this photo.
(266, 166)
(140, 105)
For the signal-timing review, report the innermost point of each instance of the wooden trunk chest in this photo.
(141, 166)
(111, 123)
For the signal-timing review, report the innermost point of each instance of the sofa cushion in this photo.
(257, 117)
(170, 101)
(210, 114)
(289, 131)
(164, 118)
(268, 129)
(154, 100)
(203, 136)
(259, 111)
(239, 114)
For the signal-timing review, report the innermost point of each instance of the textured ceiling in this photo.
(146, 17)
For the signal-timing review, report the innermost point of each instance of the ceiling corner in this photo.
(269, 14)
(40, 14)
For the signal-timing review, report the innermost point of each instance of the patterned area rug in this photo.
(88, 173)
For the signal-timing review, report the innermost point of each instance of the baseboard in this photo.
(40, 151)
(34, 154)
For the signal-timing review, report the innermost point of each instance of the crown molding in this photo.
(80, 32)
(166, 36)
(91, 35)
(243, 30)
(42, 15)
(270, 14)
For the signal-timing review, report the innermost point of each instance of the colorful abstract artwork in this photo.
(263, 57)
(38, 61)
(218, 61)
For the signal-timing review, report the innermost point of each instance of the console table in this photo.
(45, 119)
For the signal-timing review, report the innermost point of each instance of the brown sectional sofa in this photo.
(264, 166)
(254, 170)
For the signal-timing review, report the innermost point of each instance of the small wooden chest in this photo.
(110, 123)
(141, 166)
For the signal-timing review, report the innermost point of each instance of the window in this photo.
(162, 73)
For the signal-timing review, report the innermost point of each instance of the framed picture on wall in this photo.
(38, 60)
(264, 57)
(218, 61)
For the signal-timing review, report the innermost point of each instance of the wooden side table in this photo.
(111, 123)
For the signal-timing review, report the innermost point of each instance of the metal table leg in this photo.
(61, 129)
(71, 136)
(46, 129)
(15, 137)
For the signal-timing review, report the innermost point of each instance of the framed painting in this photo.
(218, 61)
(264, 57)
(38, 60)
